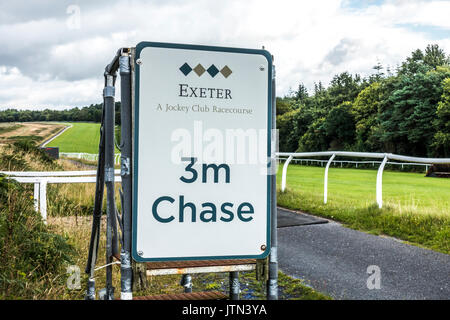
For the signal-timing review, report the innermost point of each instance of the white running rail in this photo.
(333, 154)
(87, 156)
(56, 135)
(40, 179)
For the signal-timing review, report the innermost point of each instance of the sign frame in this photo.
(135, 136)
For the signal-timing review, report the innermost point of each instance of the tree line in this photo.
(405, 111)
(92, 113)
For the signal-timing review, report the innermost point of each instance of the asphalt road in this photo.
(335, 260)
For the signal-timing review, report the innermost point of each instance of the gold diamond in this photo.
(226, 71)
(199, 70)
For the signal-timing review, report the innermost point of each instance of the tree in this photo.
(365, 112)
(340, 126)
(408, 124)
(413, 64)
(344, 87)
(315, 138)
(283, 106)
(441, 143)
(435, 56)
(379, 74)
(302, 93)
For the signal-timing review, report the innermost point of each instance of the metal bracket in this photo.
(109, 91)
(109, 174)
(124, 64)
(125, 166)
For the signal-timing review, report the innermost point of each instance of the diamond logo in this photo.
(226, 71)
(185, 69)
(212, 70)
(199, 70)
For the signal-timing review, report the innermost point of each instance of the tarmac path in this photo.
(349, 264)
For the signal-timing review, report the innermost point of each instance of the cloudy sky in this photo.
(53, 53)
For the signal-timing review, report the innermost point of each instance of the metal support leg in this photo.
(186, 282)
(272, 282)
(126, 274)
(111, 226)
(235, 288)
(90, 293)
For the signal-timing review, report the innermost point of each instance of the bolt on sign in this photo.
(202, 145)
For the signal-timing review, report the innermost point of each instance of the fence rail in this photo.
(356, 163)
(332, 154)
(41, 179)
(87, 156)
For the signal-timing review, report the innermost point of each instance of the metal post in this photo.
(43, 200)
(111, 226)
(90, 292)
(125, 173)
(235, 288)
(97, 212)
(186, 282)
(325, 184)
(272, 282)
(380, 182)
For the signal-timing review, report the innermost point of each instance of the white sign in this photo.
(201, 152)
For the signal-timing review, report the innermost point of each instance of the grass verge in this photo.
(77, 231)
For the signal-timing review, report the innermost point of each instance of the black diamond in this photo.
(213, 70)
(185, 68)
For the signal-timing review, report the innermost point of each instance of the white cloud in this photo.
(20, 91)
(311, 41)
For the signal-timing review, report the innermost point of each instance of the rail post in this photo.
(36, 196)
(43, 200)
(325, 184)
(380, 182)
(284, 173)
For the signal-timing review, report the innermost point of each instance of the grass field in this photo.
(82, 137)
(415, 208)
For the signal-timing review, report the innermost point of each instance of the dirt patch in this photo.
(37, 131)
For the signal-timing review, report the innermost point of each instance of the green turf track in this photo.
(82, 137)
(357, 187)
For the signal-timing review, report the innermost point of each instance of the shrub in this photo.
(29, 252)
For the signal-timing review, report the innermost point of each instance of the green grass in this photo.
(415, 208)
(82, 137)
